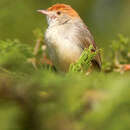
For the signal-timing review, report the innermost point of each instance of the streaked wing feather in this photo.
(87, 39)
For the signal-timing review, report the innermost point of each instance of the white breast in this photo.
(62, 46)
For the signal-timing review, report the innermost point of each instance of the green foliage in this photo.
(121, 49)
(33, 97)
(14, 56)
(119, 54)
(41, 99)
(50, 101)
(84, 62)
(10, 46)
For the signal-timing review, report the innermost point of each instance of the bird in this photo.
(67, 36)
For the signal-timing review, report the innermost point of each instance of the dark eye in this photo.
(58, 12)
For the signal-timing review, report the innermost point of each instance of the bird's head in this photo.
(59, 14)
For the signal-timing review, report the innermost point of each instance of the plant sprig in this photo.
(84, 62)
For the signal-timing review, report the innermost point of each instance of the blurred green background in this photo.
(42, 99)
(105, 18)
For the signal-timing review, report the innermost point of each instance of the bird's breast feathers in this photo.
(63, 45)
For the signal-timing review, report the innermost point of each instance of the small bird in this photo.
(67, 36)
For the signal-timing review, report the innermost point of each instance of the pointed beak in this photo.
(43, 12)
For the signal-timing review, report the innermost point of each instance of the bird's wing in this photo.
(87, 39)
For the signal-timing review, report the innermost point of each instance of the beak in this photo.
(43, 12)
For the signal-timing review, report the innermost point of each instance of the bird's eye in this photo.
(58, 12)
